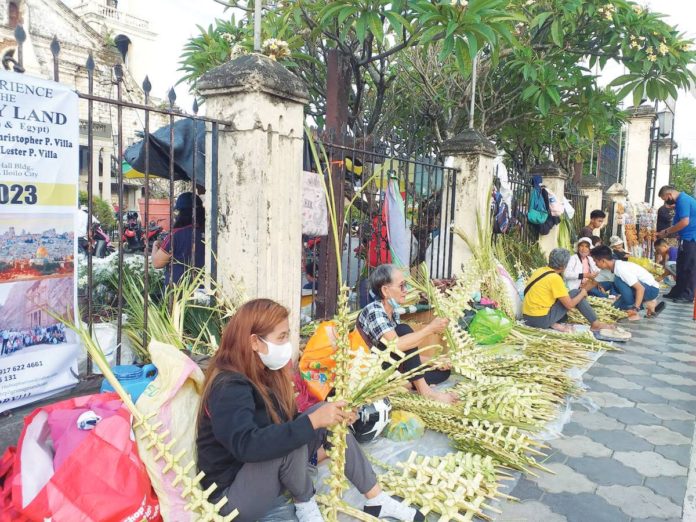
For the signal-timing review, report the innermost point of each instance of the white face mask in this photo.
(278, 355)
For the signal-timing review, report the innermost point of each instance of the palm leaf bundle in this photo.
(604, 308)
(455, 487)
(506, 444)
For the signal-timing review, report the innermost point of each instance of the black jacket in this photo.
(235, 428)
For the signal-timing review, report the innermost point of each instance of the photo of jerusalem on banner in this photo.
(39, 164)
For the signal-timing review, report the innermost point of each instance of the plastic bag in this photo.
(404, 427)
(101, 480)
(175, 395)
(490, 326)
(316, 366)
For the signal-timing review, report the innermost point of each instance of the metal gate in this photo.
(175, 180)
(365, 168)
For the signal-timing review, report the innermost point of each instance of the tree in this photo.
(684, 175)
(410, 66)
(101, 209)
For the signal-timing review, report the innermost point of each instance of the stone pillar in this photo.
(260, 178)
(664, 162)
(592, 188)
(640, 121)
(618, 195)
(553, 178)
(473, 155)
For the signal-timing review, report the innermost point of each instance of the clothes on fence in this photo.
(557, 312)
(627, 294)
(544, 293)
(577, 267)
(374, 322)
(258, 484)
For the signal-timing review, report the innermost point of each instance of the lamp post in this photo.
(662, 127)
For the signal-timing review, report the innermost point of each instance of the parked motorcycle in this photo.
(101, 243)
(134, 237)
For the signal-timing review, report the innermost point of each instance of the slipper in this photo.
(660, 306)
(617, 335)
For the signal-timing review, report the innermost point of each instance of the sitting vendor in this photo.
(378, 323)
(635, 285)
(250, 440)
(547, 300)
(582, 267)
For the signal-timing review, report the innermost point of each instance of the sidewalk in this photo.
(628, 460)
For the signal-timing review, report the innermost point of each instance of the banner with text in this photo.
(39, 166)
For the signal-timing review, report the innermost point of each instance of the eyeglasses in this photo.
(402, 286)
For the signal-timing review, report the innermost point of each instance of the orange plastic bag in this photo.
(316, 366)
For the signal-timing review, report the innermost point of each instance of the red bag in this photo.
(7, 473)
(101, 479)
(378, 249)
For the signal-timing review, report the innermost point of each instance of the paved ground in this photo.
(629, 459)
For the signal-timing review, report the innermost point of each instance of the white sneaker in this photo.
(308, 511)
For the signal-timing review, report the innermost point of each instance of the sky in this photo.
(176, 21)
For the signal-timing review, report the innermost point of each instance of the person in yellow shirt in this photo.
(547, 300)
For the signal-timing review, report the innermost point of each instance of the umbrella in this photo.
(184, 131)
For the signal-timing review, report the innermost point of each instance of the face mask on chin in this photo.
(278, 355)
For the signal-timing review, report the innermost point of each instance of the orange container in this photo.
(158, 211)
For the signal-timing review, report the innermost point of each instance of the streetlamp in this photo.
(662, 127)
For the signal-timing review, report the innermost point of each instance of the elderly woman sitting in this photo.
(547, 300)
(581, 267)
(378, 323)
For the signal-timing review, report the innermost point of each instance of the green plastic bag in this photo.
(490, 326)
(404, 426)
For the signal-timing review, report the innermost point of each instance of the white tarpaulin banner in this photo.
(39, 166)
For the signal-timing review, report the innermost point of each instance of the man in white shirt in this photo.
(636, 286)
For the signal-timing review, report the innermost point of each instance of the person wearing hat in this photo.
(581, 267)
(180, 243)
(616, 245)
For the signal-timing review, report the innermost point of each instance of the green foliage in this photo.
(684, 175)
(409, 66)
(101, 209)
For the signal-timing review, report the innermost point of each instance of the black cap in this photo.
(185, 200)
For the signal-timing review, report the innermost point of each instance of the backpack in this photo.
(501, 215)
(537, 213)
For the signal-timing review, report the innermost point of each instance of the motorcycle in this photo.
(101, 243)
(133, 239)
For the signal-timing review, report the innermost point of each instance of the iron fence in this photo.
(579, 203)
(611, 226)
(365, 169)
(521, 189)
(206, 185)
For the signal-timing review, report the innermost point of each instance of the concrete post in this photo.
(664, 161)
(554, 179)
(618, 195)
(640, 121)
(260, 178)
(473, 155)
(592, 188)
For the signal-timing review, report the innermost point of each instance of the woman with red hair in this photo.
(252, 444)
